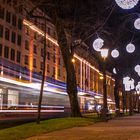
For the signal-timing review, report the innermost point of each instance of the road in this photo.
(124, 128)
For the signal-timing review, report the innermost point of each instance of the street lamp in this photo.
(104, 54)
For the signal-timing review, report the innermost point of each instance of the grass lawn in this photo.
(32, 129)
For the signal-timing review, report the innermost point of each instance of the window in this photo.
(8, 16)
(2, 10)
(54, 59)
(12, 54)
(34, 63)
(1, 50)
(19, 24)
(6, 52)
(27, 30)
(35, 49)
(26, 60)
(49, 30)
(59, 61)
(26, 45)
(54, 48)
(49, 44)
(48, 68)
(13, 39)
(41, 65)
(14, 20)
(7, 33)
(42, 52)
(18, 56)
(53, 71)
(59, 73)
(35, 35)
(1, 31)
(19, 40)
(48, 55)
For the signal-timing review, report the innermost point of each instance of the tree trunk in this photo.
(67, 57)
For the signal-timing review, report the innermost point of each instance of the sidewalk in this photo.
(124, 128)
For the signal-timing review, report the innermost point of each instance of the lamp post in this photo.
(104, 54)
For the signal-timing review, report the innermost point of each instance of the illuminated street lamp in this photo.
(104, 54)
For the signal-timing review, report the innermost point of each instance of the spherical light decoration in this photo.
(137, 23)
(114, 71)
(115, 53)
(130, 48)
(98, 44)
(127, 4)
(137, 68)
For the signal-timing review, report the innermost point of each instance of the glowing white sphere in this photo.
(137, 23)
(138, 73)
(115, 53)
(137, 68)
(98, 44)
(127, 4)
(130, 48)
(114, 71)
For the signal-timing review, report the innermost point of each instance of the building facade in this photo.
(21, 65)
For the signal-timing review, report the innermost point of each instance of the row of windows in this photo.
(26, 62)
(42, 52)
(10, 18)
(5, 50)
(10, 35)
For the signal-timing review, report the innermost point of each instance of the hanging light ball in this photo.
(137, 68)
(114, 71)
(127, 4)
(115, 53)
(98, 44)
(130, 48)
(137, 23)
